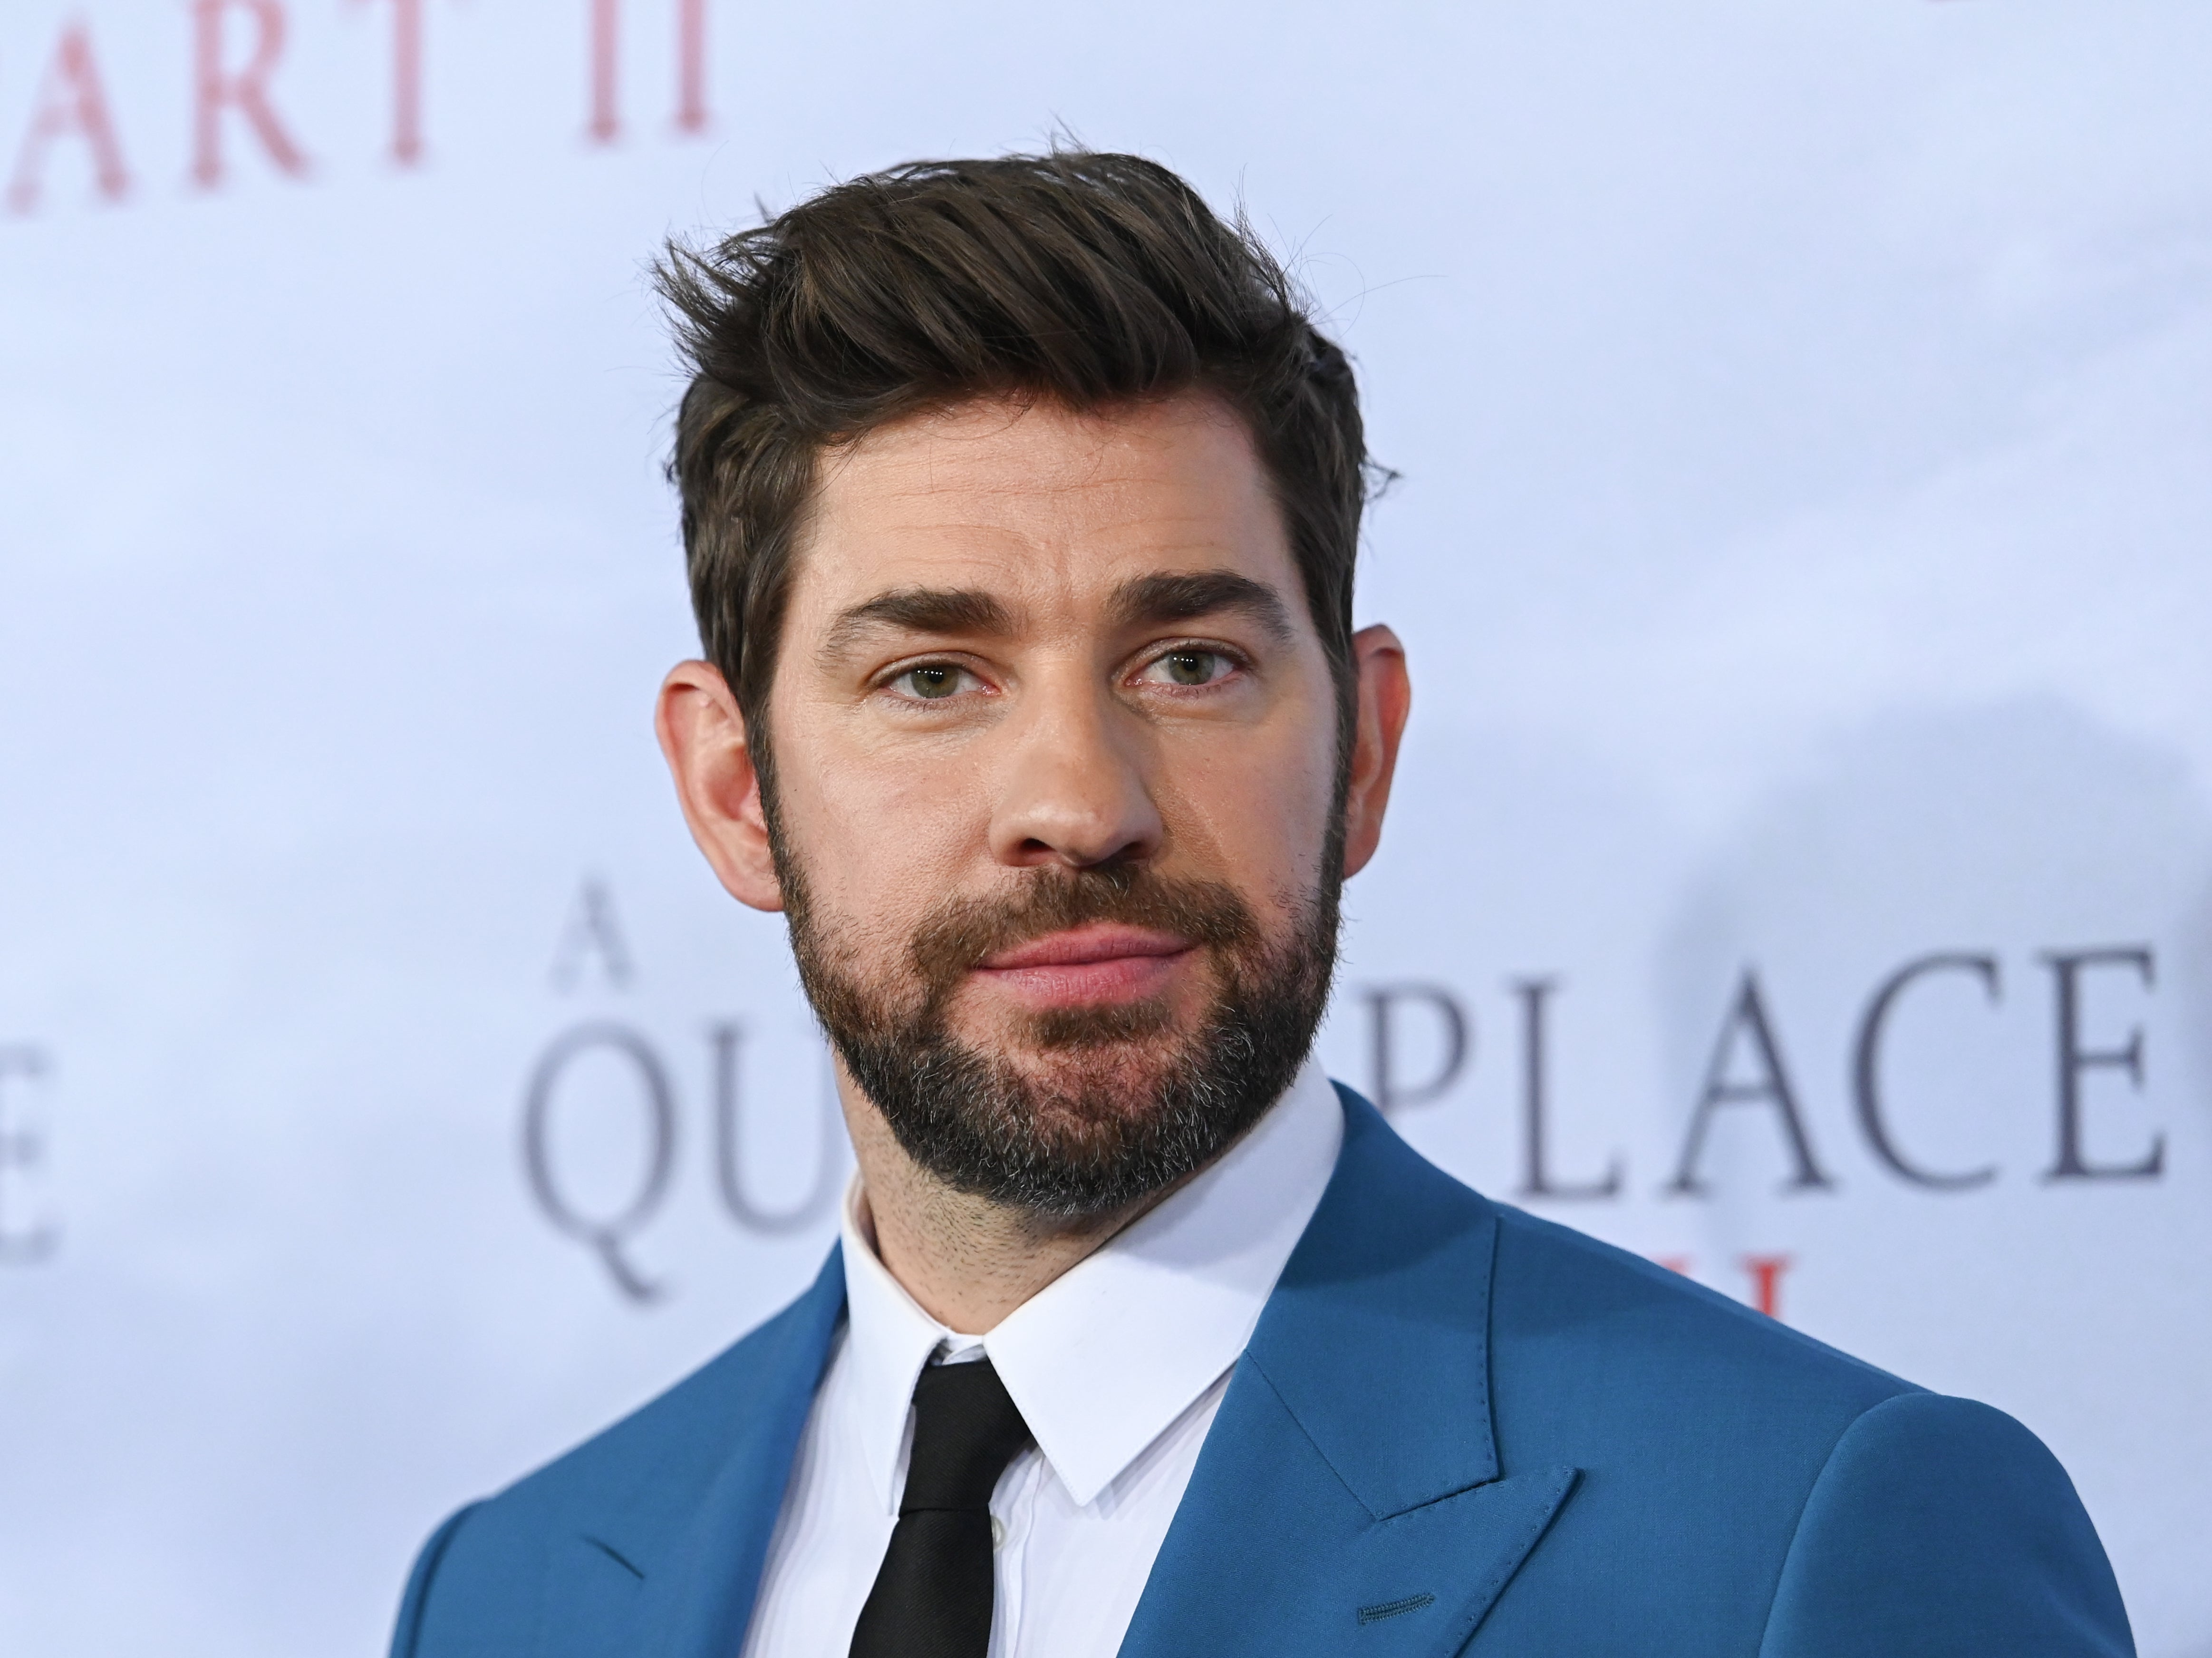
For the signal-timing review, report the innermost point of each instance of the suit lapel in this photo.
(1349, 1496)
(670, 1567)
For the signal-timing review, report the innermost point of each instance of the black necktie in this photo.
(932, 1593)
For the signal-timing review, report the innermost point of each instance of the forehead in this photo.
(1041, 503)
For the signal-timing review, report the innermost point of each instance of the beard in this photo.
(1085, 1110)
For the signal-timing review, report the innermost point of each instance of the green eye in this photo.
(1191, 667)
(933, 682)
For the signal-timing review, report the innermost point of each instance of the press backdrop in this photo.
(1802, 870)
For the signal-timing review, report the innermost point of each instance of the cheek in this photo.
(1256, 808)
(879, 835)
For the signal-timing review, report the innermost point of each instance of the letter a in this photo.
(592, 933)
(1770, 1086)
(72, 101)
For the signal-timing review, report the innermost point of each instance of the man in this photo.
(1020, 499)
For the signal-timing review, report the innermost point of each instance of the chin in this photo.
(1093, 1078)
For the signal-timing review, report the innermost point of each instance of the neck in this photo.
(967, 1262)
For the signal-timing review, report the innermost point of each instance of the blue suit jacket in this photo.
(1457, 1428)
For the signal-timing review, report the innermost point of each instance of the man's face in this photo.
(1057, 792)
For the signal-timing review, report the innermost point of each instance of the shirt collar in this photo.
(1103, 1359)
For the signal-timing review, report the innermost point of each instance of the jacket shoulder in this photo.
(477, 1583)
(1942, 1527)
(1581, 1334)
(657, 1448)
(1748, 1489)
(1700, 1426)
(1563, 1299)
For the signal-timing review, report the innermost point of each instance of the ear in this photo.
(702, 733)
(1385, 697)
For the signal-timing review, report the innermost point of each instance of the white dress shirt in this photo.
(1118, 1366)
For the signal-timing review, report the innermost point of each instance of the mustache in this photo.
(962, 931)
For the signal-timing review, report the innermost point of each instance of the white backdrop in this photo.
(1801, 549)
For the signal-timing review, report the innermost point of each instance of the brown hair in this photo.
(1081, 277)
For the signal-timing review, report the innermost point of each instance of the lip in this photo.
(1082, 947)
(1087, 967)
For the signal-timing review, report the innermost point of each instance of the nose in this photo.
(1072, 791)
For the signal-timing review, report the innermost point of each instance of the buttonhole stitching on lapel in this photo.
(1377, 1613)
(616, 1555)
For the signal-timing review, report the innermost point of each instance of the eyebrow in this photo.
(1145, 600)
(919, 610)
(1183, 598)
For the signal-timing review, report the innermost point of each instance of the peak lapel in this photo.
(1349, 1497)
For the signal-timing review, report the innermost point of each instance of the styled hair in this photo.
(1083, 278)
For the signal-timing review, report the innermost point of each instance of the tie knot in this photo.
(966, 1430)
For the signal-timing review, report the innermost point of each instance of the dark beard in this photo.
(1141, 1108)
